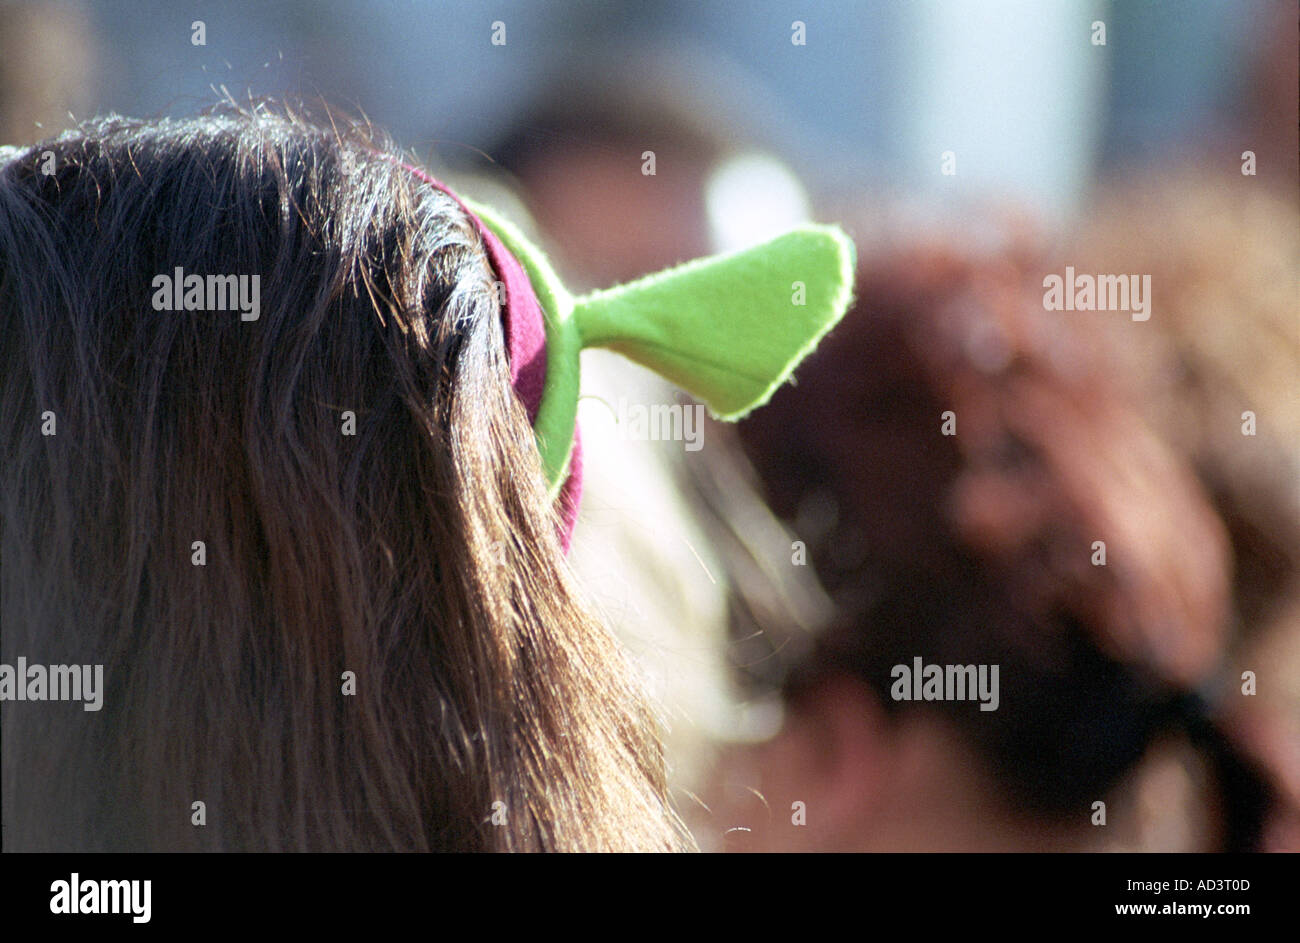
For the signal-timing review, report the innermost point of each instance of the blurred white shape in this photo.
(1014, 88)
(750, 198)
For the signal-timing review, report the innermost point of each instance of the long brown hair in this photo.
(491, 710)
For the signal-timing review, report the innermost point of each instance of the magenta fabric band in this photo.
(524, 326)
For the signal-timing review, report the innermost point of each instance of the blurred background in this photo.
(1033, 109)
(980, 144)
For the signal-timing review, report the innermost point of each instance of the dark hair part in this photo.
(419, 553)
(976, 548)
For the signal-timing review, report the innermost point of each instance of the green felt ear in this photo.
(728, 329)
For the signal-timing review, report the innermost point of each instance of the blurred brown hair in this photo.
(976, 548)
(1224, 340)
(420, 553)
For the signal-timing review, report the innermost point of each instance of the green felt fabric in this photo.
(557, 414)
(728, 329)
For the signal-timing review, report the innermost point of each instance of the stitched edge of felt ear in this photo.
(557, 414)
(728, 329)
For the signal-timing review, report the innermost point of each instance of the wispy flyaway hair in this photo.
(231, 515)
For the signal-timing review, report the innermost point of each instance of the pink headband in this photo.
(524, 324)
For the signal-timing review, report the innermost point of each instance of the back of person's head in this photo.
(955, 463)
(308, 537)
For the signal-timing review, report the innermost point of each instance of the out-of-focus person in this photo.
(975, 486)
